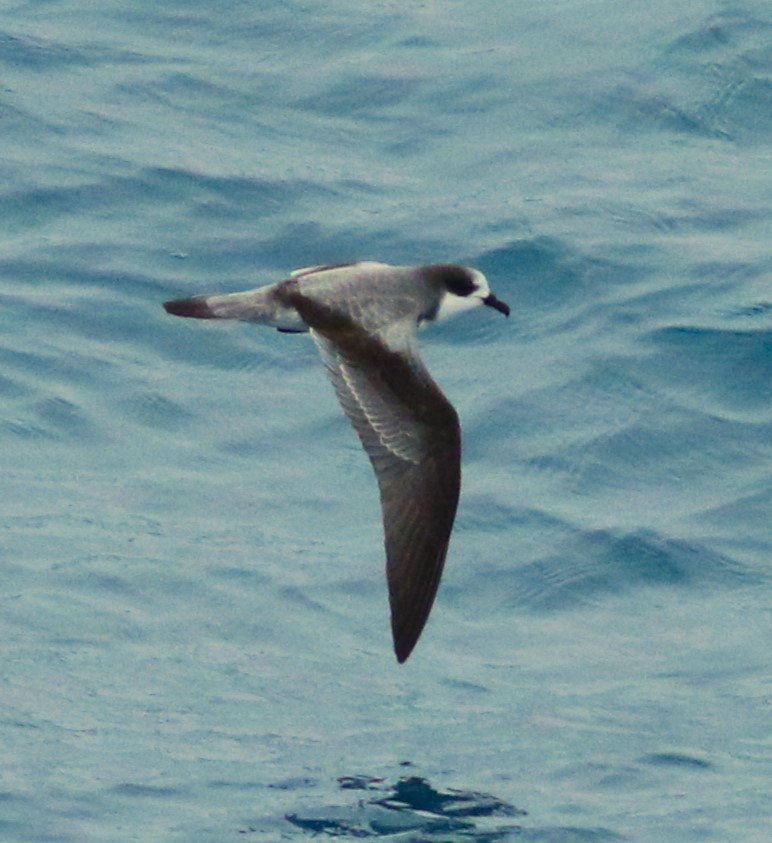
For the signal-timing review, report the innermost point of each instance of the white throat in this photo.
(451, 305)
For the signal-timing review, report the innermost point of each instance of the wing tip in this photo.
(402, 650)
(405, 639)
(411, 598)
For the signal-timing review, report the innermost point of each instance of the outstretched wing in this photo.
(411, 433)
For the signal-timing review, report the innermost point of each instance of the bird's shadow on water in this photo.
(411, 810)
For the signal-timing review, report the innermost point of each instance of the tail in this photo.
(260, 305)
(197, 308)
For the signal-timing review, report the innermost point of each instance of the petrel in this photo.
(364, 317)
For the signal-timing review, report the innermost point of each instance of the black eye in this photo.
(455, 279)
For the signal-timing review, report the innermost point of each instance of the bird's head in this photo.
(461, 288)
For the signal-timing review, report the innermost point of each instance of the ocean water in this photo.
(193, 621)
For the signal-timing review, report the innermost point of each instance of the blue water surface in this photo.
(193, 619)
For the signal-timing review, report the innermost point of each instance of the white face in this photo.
(451, 304)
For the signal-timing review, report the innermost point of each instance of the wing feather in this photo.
(411, 434)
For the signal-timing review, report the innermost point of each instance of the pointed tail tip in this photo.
(196, 308)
